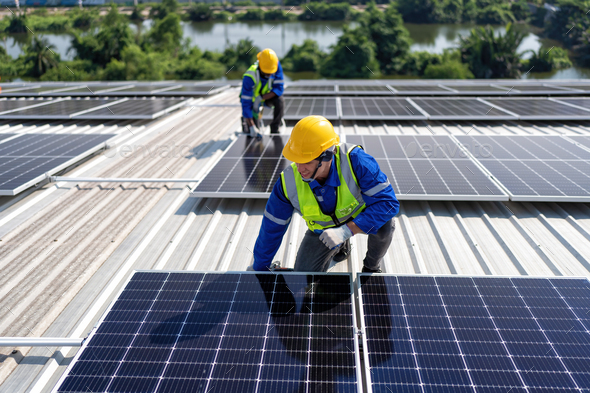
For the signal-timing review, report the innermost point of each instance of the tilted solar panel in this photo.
(296, 108)
(460, 109)
(376, 108)
(29, 157)
(250, 168)
(547, 168)
(539, 108)
(476, 334)
(182, 332)
(429, 167)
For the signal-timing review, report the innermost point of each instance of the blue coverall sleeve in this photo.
(247, 93)
(378, 194)
(277, 216)
(277, 86)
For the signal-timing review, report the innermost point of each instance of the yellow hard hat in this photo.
(310, 137)
(268, 61)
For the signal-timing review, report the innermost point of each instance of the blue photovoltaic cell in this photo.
(533, 167)
(428, 167)
(25, 158)
(215, 332)
(486, 334)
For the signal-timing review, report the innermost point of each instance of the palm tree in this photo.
(492, 56)
(40, 56)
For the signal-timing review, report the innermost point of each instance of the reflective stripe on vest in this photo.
(349, 200)
(259, 90)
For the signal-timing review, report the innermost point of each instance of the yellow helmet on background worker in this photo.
(268, 61)
(310, 137)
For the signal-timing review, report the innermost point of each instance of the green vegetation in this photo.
(547, 59)
(379, 44)
(492, 56)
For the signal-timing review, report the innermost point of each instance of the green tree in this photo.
(549, 59)
(112, 38)
(17, 23)
(241, 56)
(39, 57)
(163, 9)
(276, 14)
(252, 14)
(447, 11)
(416, 11)
(305, 57)
(198, 66)
(353, 56)
(495, 14)
(492, 56)
(166, 34)
(570, 22)
(135, 65)
(391, 38)
(76, 70)
(200, 12)
(325, 11)
(520, 10)
(415, 63)
(450, 67)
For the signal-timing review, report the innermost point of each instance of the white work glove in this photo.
(250, 268)
(333, 237)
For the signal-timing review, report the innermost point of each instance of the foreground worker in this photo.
(339, 190)
(263, 84)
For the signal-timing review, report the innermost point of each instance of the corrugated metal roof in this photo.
(66, 249)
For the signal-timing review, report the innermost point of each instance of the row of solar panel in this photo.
(26, 159)
(429, 167)
(295, 332)
(77, 89)
(446, 89)
(102, 108)
(395, 108)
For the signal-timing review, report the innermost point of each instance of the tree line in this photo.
(108, 49)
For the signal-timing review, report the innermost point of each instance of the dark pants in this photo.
(279, 107)
(314, 256)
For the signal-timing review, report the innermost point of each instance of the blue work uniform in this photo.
(248, 90)
(380, 207)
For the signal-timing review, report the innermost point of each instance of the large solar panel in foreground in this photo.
(536, 168)
(476, 335)
(429, 167)
(188, 332)
(249, 169)
(27, 158)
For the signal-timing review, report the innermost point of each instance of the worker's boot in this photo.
(344, 252)
(367, 270)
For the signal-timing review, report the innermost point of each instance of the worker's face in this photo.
(265, 76)
(307, 169)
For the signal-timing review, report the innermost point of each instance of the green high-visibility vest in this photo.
(259, 89)
(349, 200)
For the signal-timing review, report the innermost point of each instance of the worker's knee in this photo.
(387, 229)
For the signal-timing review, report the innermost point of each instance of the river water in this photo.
(281, 36)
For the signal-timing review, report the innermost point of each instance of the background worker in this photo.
(339, 190)
(263, 84)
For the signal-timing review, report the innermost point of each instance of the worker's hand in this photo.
(333, 237)
(250, 121)
(268, 96)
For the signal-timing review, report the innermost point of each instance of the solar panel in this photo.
(527, 88)
(315, 89)
(475, 334)
(249, 169)
(28, 158)
(421, 89)
(582, 140)
(104, 108)
(377, 108)
(461, 334)
(536, 168)
(539, 109)
(56, 110)
(429, 167)
(181, 332)
(461, 109)
(576, 87)
(135, 109)
(10, 105)
(483, 89)
(297, 108)
(364, 90)
(582, 102)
